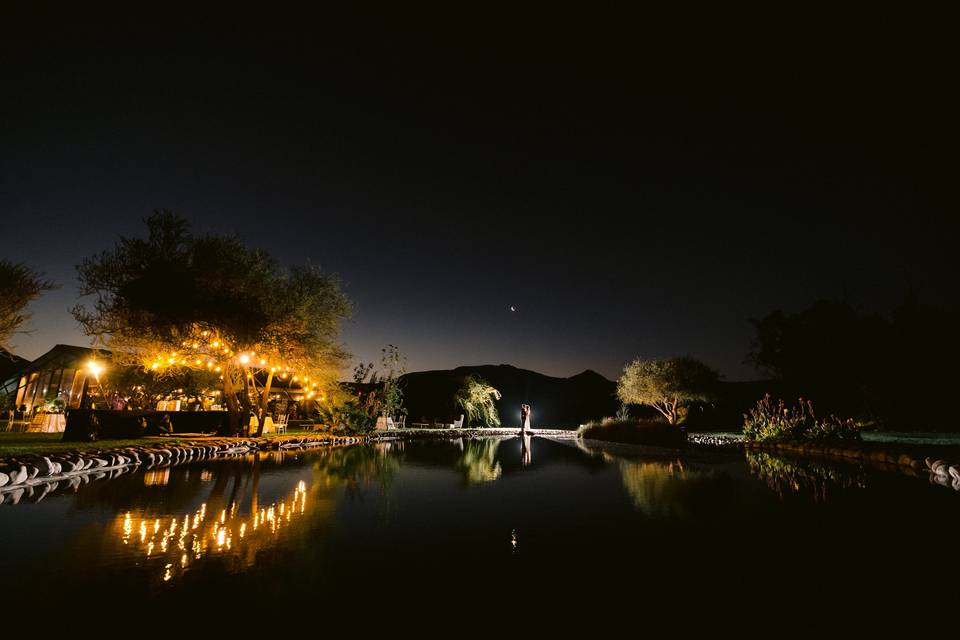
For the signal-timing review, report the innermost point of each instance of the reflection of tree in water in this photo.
(675, 489)
(357, 465)
(478, 462)
(785, 476)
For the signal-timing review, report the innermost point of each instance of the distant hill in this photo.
(565, 403)
(561, 403)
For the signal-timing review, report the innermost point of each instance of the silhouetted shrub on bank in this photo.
(648, 432)
(772, 420)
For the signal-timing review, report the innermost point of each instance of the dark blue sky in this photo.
(630, 189)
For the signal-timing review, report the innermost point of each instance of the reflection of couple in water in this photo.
(526, 456)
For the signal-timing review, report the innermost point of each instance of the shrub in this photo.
(648, 432)
(771, 421)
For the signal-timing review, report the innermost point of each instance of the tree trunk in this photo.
(264, 401)
(664, 411)
(245, 395)
(671, 411)
(234, 419)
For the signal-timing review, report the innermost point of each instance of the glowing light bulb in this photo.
(95, 368)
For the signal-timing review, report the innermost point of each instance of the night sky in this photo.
(634, 185)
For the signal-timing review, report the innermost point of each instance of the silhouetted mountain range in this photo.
(556, 402)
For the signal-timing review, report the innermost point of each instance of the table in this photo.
(48, 423)
(267, 425)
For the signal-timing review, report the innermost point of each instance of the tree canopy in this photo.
(667, 385)
(890, 367)
(174, 300)
(477, 399)
(19, 286)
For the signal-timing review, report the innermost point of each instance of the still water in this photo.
(451, 521)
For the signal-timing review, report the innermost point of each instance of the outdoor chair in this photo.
(281, 424)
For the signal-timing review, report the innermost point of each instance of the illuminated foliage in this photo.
(175, 301)
(477, 400)
(19, 285)
(667, 385)
(773, 420)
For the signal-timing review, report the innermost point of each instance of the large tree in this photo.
(828, 341)
(667, 385)
(174, 301)
(19, 286)
(895, 367)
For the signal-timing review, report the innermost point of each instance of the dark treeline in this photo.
(893, 369)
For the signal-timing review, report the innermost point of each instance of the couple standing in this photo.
(525, 453)
(524, 418)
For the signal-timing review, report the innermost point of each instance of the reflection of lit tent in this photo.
(59, 373)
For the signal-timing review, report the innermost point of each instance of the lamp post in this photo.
(94, 368)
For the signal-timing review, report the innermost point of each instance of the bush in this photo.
(773, 421)
(648, 432)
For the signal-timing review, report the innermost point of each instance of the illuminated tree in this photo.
(141, 389)
(174, 301)
(476, 398)
(19, 285)
(666, 385)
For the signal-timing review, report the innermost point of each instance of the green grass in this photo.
(895, 437)
(13, 444)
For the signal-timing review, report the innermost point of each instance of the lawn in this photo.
(13, 444)
(910, 437)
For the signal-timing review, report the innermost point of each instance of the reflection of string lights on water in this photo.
(179, 541)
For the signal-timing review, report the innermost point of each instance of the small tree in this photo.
(19, 286)
(377, 393)
(667, 385)
(391, 393)
(477, 399)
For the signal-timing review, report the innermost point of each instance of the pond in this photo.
(401, 522)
